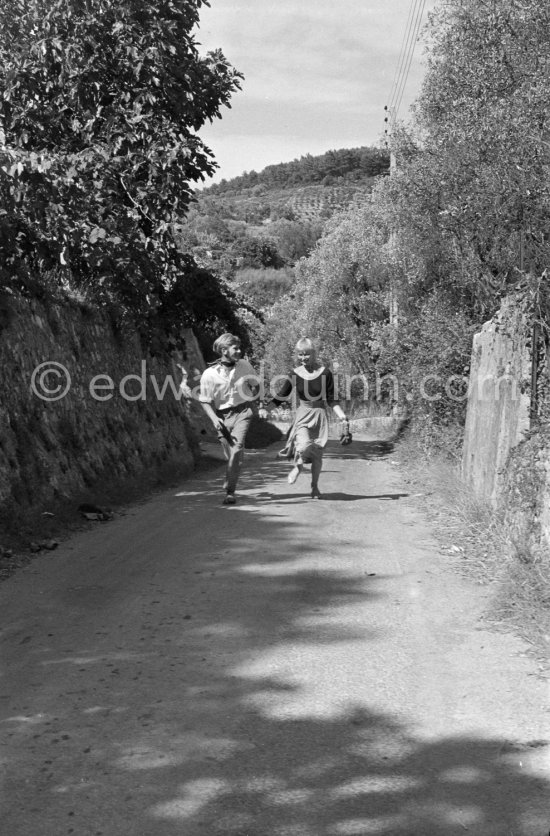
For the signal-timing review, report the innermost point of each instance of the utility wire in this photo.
(408, 44)
(405, 48)
(402, 51)
(410, 57)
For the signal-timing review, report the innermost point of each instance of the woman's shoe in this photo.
(315, 493)
(294, 473)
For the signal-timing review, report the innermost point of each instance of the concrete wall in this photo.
(504, 460)
(55, 446)
(499, 400)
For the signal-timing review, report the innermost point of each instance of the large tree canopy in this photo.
(100, 101)
(482, 121)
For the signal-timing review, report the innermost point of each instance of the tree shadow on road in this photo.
(359, 449)
(265, 756)
(336, 496)
(350, 497)
(362, 773)
(222, 693)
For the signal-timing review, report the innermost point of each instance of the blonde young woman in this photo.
(313, 385)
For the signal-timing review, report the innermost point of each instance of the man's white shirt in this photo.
(228, 386)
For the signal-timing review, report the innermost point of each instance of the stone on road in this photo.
(283, 667)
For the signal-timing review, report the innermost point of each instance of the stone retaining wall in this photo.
(112, 427)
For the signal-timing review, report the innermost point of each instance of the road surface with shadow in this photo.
(284, 667)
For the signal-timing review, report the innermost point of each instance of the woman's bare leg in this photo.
(295, 472)
(302, 442)
(316, 468)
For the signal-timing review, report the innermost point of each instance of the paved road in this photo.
(286, 667)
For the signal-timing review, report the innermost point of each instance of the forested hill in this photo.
(345, 166)
(254, 228)
(310, 189)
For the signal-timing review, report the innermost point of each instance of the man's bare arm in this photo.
(216, 420)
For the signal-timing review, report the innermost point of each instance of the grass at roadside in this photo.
(472, 533)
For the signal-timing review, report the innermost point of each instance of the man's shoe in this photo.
(229, 499)
(315, 493)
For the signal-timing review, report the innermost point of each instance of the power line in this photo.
(401, 55)
(411, 53)
(405, 48)
(408, 44)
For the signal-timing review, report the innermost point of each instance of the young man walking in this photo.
(228, 388)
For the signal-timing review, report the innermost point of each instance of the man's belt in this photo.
(226, 410)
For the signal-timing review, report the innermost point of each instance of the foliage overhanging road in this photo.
(282, 668)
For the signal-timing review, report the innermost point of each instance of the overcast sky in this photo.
(317, 76)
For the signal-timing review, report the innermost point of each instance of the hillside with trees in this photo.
(343, 166)
(253, 230)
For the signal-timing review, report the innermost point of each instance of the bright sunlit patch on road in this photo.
(313, 563)
(263, 783)
(464, 817)
(363, 827)
(287, 798)
(317, 768)
(148, 757)
(27, 719)
(180, 750)
(195, 795)
(96, 709)
(227, 630)
(375, 783)
(312, 680)
(95, 660)
(79, 785)
(464, 775)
